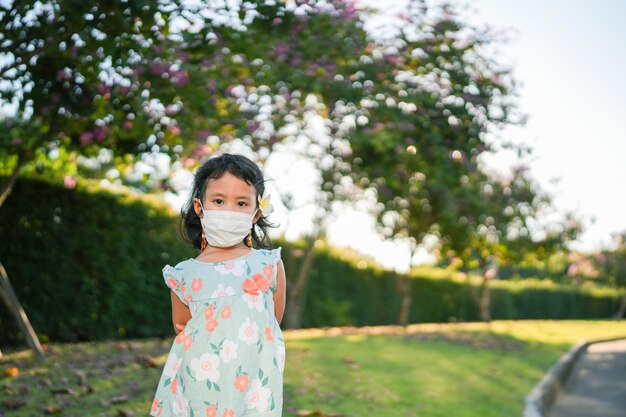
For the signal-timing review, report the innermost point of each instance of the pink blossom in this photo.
(175, 130)
(69, 182)
(99, 133)
(85, 138)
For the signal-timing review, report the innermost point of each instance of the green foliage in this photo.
(86, 263)
(341, 293)
(611, 264)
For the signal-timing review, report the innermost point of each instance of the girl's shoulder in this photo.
(262, 257)
(255, 255)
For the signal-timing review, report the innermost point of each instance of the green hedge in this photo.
(341, 293)
(86, 265)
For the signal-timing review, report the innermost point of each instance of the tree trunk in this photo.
(485, 301)
(6, 289)
(296, 291)
(482, 295)
(403, 283)
(621, 309)
(10, 299)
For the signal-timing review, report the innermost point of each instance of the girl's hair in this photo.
(242, 168)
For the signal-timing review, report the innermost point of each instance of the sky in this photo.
(568, 58)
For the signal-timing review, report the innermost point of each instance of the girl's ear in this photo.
(197, 207)
(257, 216)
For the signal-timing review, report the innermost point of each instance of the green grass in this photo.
(425, 370)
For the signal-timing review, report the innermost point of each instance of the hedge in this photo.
(86, 265)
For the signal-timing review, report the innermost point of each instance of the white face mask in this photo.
(223, 228)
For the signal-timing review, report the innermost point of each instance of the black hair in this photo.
(214, 168)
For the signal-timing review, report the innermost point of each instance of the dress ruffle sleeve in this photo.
(174, 280)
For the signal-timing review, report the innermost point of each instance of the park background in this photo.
(405, 183)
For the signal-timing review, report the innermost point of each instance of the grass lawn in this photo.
(424, 370)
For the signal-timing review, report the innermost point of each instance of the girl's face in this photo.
(228, 193)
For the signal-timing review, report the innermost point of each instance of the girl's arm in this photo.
(180, 313)
(279, 294)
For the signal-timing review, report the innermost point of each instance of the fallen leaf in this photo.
(13, 404)
(53, 409)
(146, 361)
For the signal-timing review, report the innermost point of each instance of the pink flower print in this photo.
(189, 298)
(267, 270)
(211, 325)
(250, 287)
(157, 406)
(225, 314)
(241, 382)
(185, 339)
(196, 284)
(261, 283)
(211, 411)
(208, 313)
(229, 413)
(188, 342)
(173, 386)
(172, 283)
(268, 334)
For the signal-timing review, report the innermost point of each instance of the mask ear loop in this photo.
(203, 242)
(249, 237)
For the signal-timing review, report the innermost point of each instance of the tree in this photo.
(433, 93)
(611, 264)
(143, 77)
(512, 228)
(139, 77)
(71, 75)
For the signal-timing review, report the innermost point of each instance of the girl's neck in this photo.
(216, 254)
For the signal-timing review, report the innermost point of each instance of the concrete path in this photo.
(596, 386)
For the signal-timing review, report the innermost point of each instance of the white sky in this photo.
(569, 56)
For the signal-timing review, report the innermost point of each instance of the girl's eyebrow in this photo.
(241, 197)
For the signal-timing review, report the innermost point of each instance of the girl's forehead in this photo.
(228, 184)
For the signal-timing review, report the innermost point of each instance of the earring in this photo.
(249, 239)
(203, 243)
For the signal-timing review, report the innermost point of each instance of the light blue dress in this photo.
(229, 359)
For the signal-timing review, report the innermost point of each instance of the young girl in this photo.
(228, 357)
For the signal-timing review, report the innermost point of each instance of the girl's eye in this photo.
(218, 201)
(242, 204)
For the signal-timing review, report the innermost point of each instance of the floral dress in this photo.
(229, 359)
